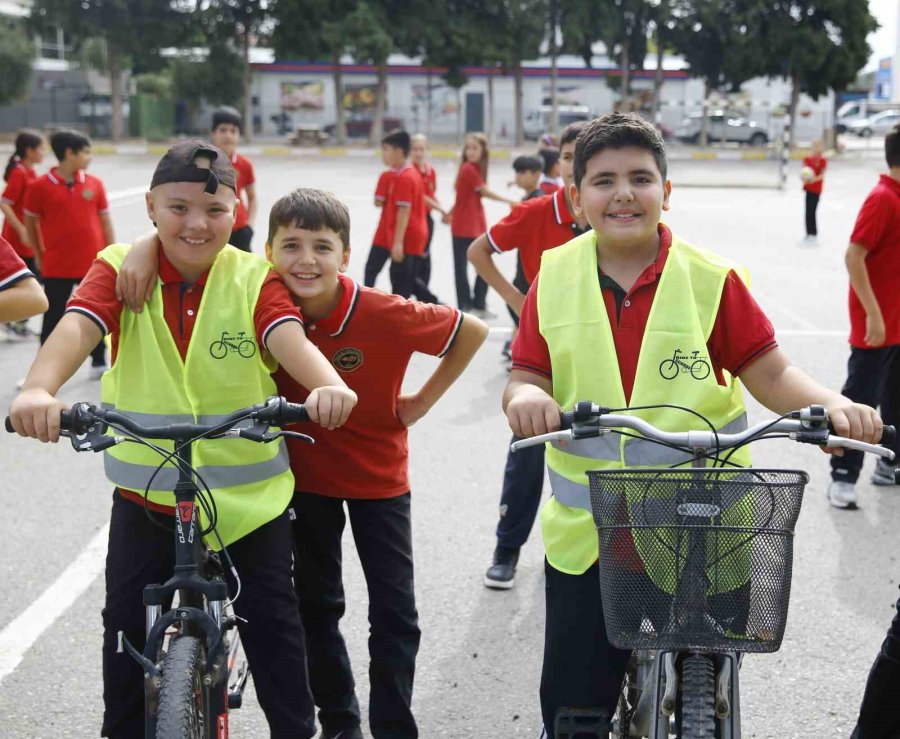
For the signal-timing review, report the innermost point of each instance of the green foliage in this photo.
(16, 53)
(368, 40)
(311, 30)
(157, 84)
(216, 79)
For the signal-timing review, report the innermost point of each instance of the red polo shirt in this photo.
(468, 220)
(429, 182)
(817, 165)
(877, 229)
(382, 188)
(741, 333)
(244, 177)
(14, 196)
(532, 227)
(549, 185)
(369, 338)
(12, 268)
(69, 222)
(407, 191)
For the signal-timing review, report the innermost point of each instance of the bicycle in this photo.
(716, 545)
(695, 364)
(228, 343)
(194, 674)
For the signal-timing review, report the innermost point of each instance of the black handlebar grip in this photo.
(65, 420)
(566, 419)
(889, 436)
(9, 426)
(294, 412)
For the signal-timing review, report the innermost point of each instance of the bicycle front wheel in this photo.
(183, 700)
(698, 697)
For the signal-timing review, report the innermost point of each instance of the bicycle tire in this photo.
(703, 369)
(248, 344)
(670, 365)
(620, 727)
(698, 697)
(220, 352)
(183, 700)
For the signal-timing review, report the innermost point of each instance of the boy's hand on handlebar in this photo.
(854, 421)
(532, 412)
(35, 413)
(330, 405)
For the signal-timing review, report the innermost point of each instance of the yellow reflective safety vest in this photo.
(673, 367)
(224, 370)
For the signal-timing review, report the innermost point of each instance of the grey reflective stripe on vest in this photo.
(167, 419)
(598, 447)
(136, 476)
(638, 453)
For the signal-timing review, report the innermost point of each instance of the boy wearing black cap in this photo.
(226, 133)
(162, 366)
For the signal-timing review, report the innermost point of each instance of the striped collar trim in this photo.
(54, 177)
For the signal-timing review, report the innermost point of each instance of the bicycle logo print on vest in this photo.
(692, 363)
(239, 344)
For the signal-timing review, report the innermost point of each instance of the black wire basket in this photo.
(696, 558)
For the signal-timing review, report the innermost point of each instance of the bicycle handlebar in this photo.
(809, 425)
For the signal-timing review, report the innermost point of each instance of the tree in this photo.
(134, 30)
(314, 30)
(16, 53)
(216, 77)
(369, 42)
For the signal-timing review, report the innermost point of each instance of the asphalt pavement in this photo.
(479, 664)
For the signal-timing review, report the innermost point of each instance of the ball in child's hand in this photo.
(807, 174)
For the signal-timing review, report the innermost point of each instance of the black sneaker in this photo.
(502, 574)
(354, 733)
(883, 474)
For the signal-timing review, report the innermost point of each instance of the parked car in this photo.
(537, 122)
(359, 125)
(721, 126)
(857, 110)
(880, 123)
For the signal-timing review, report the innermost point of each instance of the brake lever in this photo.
(290, 435)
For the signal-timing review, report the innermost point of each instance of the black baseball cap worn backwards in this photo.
(179, 164)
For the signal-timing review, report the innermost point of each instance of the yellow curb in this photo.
(500, 154)
(157, 149)
(104, 149)
(800, 154)
(445, 153)
(276, 151)
(704, 155)
(754, 155)
(334, 151)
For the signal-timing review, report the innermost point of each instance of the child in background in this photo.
(550, 180)
(68, 223)
(812, 187)
(418, 156)
(380, 252)
(467, 221)
(21, 295)
(226, 133)
(20, 172)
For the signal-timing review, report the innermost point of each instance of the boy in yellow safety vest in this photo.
(163, 365)
(605, 312)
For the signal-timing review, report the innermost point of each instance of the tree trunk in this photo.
(658, 78)
(380, 103)
(704, 120)
(490, 108)
(340, 129)
(114, 62)
(792, 111)
(249, 128)
(520, 133)
(626, 76)
(554, 71)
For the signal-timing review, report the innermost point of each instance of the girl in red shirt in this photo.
(29, 151)
(418, 156)
(467, 221)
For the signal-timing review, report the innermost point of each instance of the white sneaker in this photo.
(97, 370)
(842, 494)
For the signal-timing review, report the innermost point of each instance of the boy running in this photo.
(873, 370)
(161, 366)
(226, 134)
(67, 219)
(632, 292)
(531, 228)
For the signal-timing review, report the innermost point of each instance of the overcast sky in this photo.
(884, 39)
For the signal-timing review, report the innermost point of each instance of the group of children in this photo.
(602, 297)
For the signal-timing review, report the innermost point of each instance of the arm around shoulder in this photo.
(24, 299)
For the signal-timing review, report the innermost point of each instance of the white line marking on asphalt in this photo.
(20, 634)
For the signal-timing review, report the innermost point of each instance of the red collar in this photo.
(168, 274)
(335, 322)
(563, 217)
(57, 179)
(402, 168)
(652, 272)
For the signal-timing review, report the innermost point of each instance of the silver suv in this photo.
(721, 126)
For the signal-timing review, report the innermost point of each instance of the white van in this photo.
(858, 110)
(537, 122)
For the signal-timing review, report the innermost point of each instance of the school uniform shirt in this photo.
(429, 182)
(877, 230)
(69, 222)
(369, 338)
(549, 185)
(406, 191)
(532, 227)
(741, 334)
(382, 188)
(468, 221)
(20, 177)
(244, 177)
(12, 268)
(817, 165)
